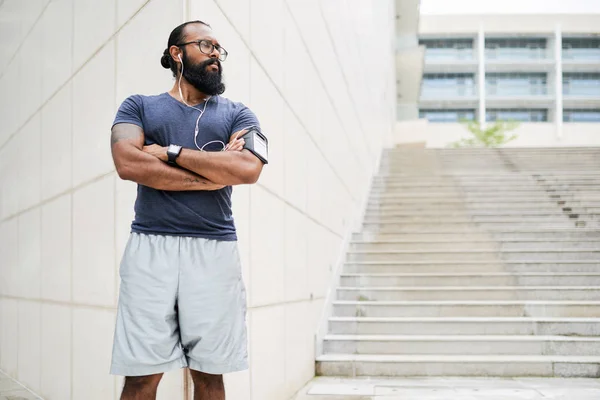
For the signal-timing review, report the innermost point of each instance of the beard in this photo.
(199, 76)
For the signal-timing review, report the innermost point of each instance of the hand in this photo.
(157, 151)
(236, 144)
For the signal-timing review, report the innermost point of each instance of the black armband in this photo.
(257, 144)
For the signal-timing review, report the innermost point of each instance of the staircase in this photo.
(473, 262)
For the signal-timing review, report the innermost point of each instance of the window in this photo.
(516, 114)
(581, 84)
(581, 49)
(516, 84)
(447, 85)
(581, 115)
(515, 48)
(454, 115)
(448, 49)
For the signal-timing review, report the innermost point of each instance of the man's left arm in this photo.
(224, 167)
(236, 166)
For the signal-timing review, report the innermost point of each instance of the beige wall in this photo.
(327, 106)
(541, 134)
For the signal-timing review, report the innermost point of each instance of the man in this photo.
(182, 300)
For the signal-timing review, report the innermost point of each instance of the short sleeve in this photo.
(130, 112)
(244, 118)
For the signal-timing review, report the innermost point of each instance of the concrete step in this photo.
(484, 181)
(448, 205)
(478, 170)
(512, 235)
(467, 308)
(465, 326)
(481, 176)
(489, 245)
(500, 196)
(519, 185)
(471, 279)
(469, 215)
(459, 293)
(468, 204)
(532, 254)
(461, 228)
(466, 213)
(550, 161)
(486, 191)
(487, 181)
(468, 219)
(368, 246)
(464, 169)
(506, 163)
(462, 345)
(555, 217)
(462, 174)
(451, 182)
(458, 365)
(382, 267)
(436, 213)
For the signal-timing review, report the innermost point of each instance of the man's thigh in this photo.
(146, 337)
(212, 306)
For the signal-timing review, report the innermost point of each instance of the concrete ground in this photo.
(325, 388)
(11, 390)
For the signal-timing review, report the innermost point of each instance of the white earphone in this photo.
(199, 116)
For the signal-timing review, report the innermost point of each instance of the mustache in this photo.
(211, 61)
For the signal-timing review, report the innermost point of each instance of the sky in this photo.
(509, 6)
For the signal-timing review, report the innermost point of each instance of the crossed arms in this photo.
(200, 170)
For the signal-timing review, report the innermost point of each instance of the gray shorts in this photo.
(182, 303)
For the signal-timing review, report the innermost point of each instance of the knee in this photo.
(204, 379)
(142, 382)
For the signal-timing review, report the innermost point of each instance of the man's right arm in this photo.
(133, 164)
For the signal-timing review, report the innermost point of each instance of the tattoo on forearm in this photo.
(195, 180)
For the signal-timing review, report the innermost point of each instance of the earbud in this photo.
(199, 116)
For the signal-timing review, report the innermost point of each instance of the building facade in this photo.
(527, 68)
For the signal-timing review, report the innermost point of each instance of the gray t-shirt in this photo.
(165, 121)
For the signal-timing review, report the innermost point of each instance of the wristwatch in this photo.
(173, 152)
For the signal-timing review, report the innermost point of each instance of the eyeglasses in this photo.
(207, 48)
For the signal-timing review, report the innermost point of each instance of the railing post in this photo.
(481, 80)
(558, 82)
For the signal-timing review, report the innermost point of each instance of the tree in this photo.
(491, 136)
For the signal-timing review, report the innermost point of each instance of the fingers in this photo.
(237, 145)
(237, 135)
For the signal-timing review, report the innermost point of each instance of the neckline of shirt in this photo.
(193, 105)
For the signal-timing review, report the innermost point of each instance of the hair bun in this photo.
(164, 61)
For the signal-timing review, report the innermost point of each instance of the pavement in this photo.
(326, 388)
(12, 390)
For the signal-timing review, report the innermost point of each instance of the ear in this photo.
(176, 53)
